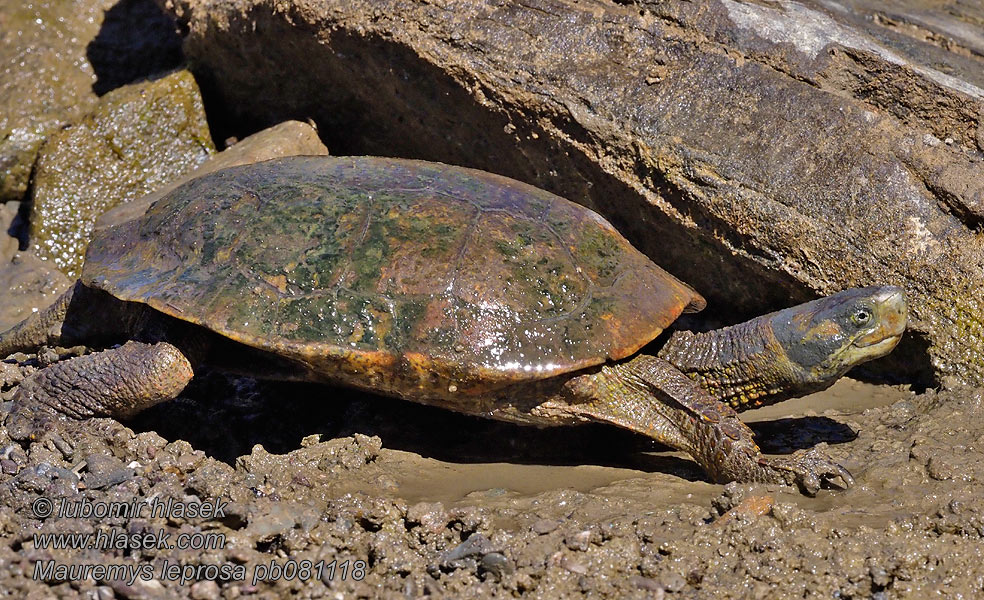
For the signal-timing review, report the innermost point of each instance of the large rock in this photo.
(57, 55)
(764, 152)
(46, 82)
(137, 139)
(290, 138)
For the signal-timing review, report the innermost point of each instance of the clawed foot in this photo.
(808, 469)
(28, 423)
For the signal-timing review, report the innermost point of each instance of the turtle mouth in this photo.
(879, 345)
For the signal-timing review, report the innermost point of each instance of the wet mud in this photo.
(438, 504)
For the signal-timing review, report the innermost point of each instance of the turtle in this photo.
(441, 285)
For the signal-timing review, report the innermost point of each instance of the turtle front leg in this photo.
(119, 383)
(650, 396)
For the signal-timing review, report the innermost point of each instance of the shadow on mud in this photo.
(782, 436)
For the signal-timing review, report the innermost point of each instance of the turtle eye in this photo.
(861, 317)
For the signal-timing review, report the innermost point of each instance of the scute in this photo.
(403, 276)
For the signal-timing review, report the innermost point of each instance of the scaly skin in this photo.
(652, 397)
(792, 352)
(777, 356)
(121, 382)
(743, 365)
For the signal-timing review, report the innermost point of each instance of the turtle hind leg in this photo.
(119, 382)
(81, 315)
(650, 396)
(40, 328)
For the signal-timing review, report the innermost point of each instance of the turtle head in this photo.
(823, 339)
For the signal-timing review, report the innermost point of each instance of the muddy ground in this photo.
(442, 505)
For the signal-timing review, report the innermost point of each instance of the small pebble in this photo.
(64, 447)
(104, 592)
(572, 565)
(430, 515)
(545, 526)
(476, 545)
(497, 564)
(579, 541)
(650, 585)
(674, 582)
(188, 461)
(278, 521)
(205, 590)
(103, 470)
(140, 589)
(47, 356)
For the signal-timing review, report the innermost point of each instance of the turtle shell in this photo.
(405, 277)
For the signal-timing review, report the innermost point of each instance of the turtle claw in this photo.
(809, 470)
(28, 420)
(25, 425)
